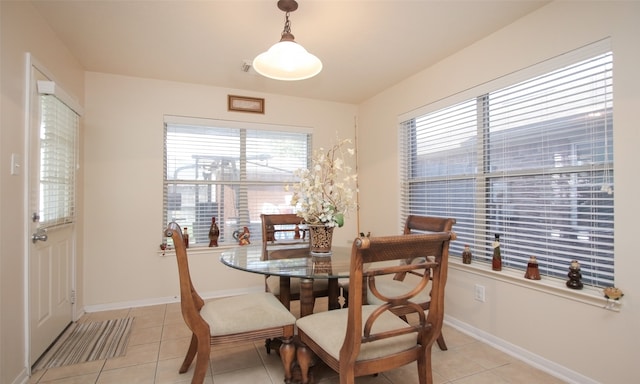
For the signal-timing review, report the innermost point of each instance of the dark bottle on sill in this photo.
(185, 237)
(496, 261)
(214, 233)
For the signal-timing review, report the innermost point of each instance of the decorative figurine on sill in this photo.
(496, 260)
(214, 233)
(533, 273)
(612, 294)
(296, 232)
(574, 276)
(466, 255)
(243, 239)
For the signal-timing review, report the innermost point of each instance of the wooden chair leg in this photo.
(191, 353)
(202, 360)
(441, 343)
(305, 361)
(267, 346)
(288, 356)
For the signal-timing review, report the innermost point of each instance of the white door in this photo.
(51, 241)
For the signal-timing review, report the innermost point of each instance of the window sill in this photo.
(587, 295)
(198, 250)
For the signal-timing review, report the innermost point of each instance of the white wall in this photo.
(123, 181)
(22, 31)
(590, 344)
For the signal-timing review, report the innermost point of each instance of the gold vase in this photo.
(320, 237)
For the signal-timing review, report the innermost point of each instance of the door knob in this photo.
(41, 234)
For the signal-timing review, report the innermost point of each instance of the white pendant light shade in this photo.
(287, 60)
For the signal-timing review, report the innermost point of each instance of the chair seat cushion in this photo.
(245, 313)
(273, 283)
(328, 330)
(392, 288)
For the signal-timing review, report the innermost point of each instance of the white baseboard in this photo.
(22, 378)
(168, 299)
(532, 359)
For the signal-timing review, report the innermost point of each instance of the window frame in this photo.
(481, 177)
(240, 138)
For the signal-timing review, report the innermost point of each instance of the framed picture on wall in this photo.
(245, 104)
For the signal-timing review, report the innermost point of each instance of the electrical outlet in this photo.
(478, 292)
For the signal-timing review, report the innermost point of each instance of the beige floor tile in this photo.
(88, 378)
(249, 375)
(159, 309)
(173, 307)
(174, 348)
(452, 365)
(521, 373)
(237, 357)
(454, 338)
(486, 377)
(173, 318)
(408, 374)
(135, 355)
(145, 335)
(175, 331)
(149, 319)
(69, 371)
(379, 379)
(485, 355)
(137, 374)
(167, 372)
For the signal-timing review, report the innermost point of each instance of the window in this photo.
(229, 170)
(58, 152)
(531, 161)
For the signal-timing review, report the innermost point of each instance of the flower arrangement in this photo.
(324, 194)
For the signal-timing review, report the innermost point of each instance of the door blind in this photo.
(59, 127)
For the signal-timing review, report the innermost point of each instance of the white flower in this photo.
(324, 194)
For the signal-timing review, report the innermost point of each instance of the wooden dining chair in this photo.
(285, 236)
(231, 320)
(366, 339)
(394, 285)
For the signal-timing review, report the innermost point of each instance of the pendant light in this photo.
(287, 60)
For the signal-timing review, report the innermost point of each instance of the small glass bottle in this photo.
(496, 261)
(214, 233)
(466, 255)
(185, 237)
(533, 272)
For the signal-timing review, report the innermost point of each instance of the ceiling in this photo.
(365, 46)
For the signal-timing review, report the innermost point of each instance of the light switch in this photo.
(16, 164)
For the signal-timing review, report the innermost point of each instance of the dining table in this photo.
(299, 263)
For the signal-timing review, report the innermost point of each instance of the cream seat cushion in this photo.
(328, 329)
(244, 313)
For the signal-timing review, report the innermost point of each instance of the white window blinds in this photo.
(59, 127)
(532, 161)
(229, 170)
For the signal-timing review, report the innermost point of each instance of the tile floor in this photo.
(159, 340)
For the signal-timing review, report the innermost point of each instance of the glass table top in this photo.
(303, 264)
